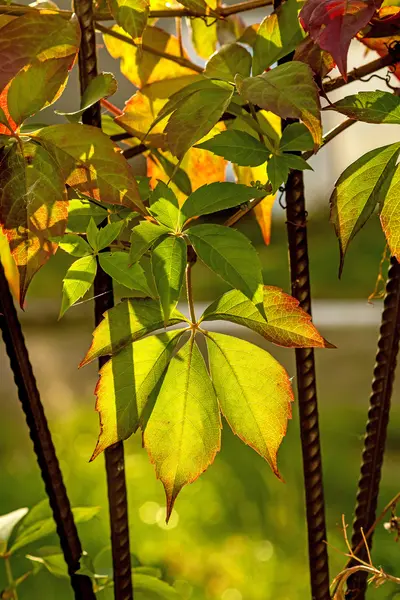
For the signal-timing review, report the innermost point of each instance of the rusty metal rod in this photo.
(378, 419)
(32, 406)
(104, 300)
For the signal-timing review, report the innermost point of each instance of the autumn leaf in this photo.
(319, 61)
(9, 266)
(183, 432)
(358, 190)
(131, 15)
(286, 324)
(390, 215)
(33, 207)
(254, 393)
(332, 24)
(126, 383)
(204, 33)
(90, 163)
(127, 322)
(288, 91)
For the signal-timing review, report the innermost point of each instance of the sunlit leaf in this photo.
(90, 163)
(7, 524)
(81, 211)
(125, 384)
(117, 265)
(390, 215)
(230, 29)
(151, 588)
(54, 563)
(227, 62)
(370, 107)
(278, 34)
(358, 190)
(102, 86)
(164, 206)
(74, 245)
(33, 207)
(217, 196)
(287, 324)
(77, 281)
(253, 391)
(333, 23)
(279, 166)
(182, 434)
(143, 237)
(238, 147)
(126, 322)
(168, 262)
(92, 234)
(106, 235)
(230, 255)
(288, 91)
(9, 266)
(204, 33)
(131, 15)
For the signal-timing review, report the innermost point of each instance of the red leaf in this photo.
(333, 23)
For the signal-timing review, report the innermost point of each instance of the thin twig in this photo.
(358, 73)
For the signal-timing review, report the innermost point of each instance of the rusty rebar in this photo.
(32, 406)
(104, 300)
(376, 429)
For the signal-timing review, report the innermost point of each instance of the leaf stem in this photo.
(184, 62)
(191, 260)
(10, 578)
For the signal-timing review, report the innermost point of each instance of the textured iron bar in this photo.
(378, 419)
(307, 392)
(104, 300)
(28, 394)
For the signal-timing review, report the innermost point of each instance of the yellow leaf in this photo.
(10, 268)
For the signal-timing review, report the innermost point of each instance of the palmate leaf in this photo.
(126, 383)
(131, 15)
(117, 265)
(33, 207)
(80, 212)
(217, 196)
(390, 215)
(358, 190)
(278, 34)
(370, 107)
(230, 255)
(238, 147)
(143, 236)
(230, 60)
(254, 393)
(168, 262)
(102, 86)
(90, 163)
(75, 245)
(126, 322)
(295, 138)
(286, 325)
(164, 206)
(279, 166)
(77, 281)
(289, 91)
(183, 433)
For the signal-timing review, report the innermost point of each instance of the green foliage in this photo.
(168, 263)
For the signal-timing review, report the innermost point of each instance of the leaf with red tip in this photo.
(332, 24)
(33, 207)
(254, 393)
(183, 433)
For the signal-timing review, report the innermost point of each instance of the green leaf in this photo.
(77, 281)
(102, 86)
(151, 588)
(253, 391)
(289, 91)
(91, 234)
(164, 206)
(89, 162)
(217, 196)
(168, 262)
(358, 190)
(279, 165)
(286, 324)
(54, 563)
(74, 245)
(106, 235)
(33, 529)
(296, 137)
(7, 524)
(370, 107)
(198, 6)
(126, 383)
(174, 172)
(183, 432)
(131, 15)
(196, 115)
(277, 36)
(143, 237)
(117, 265)
(126, 322)
(80, 212)
(204, 35)
(239, 147)
(231, 256)
(229, 61)
(390, 215)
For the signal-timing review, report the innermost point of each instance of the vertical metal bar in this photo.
(42, 442)
(378, 419)
(104, 300)
(307, 392)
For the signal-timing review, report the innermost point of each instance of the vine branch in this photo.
(359, 72)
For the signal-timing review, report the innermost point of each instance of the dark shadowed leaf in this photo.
(227, 62)
(237, 146)
(102, 86)
(279, 166)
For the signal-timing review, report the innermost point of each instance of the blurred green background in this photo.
(237, 533)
